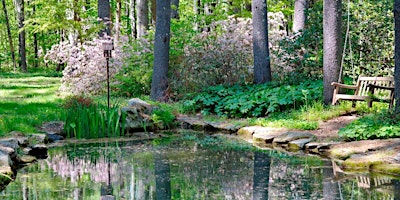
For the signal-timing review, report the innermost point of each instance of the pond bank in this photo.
(380, 156)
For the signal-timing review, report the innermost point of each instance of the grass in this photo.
(27, 101)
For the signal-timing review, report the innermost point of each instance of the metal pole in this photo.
(108, 84)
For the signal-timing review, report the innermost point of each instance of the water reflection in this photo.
(181, 170)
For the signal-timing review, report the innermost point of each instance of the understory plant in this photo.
(86, 119)
(254, 100)
(379, 125)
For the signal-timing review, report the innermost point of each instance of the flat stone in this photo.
(5, 160)
(10, 152)
(194, 123)
(397, 157)
(299, 144)
(38, 139)
(265, 137)
(27, 159)
(261, 132)
(223, 126)
(291, 136)
(10, 142)
(22, 141)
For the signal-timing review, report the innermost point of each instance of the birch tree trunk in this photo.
(299, 19)
(20, 8)
(142, 15)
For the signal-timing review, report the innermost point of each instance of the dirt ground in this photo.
(328, 130)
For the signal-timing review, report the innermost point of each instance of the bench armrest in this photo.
(340, 85)
(372, 86)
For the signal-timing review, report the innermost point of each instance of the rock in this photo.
(137, 115)
(27, 159)
(138, 103)
(10, 142)
(54, 137)
(320, 148)
(260, 132)
(345, 150)
(9, 152)
(193, 123)
(299, 144)
(38, 139)
(5, 159)
(22, 141)
(291, 136)
(39, 151)
(6, 175)
(54, 127)
(222, 126)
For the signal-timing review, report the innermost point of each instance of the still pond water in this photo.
(192, 167)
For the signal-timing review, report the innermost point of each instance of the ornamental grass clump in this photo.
(86, 119)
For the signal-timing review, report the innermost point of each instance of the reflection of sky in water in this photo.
(141, 171)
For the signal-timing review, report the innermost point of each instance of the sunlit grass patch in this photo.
(27, 102)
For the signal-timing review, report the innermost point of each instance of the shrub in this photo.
(374, 126)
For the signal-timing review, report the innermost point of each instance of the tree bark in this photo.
(299, 19)
(396, 11)
(142, 15)
(175, 9)
(262, 66)
(20, 8)
(35, 44)
(118, 19)
(104, 14)
(159, 84)
(153, 11)
(332, 30)
(10, 41)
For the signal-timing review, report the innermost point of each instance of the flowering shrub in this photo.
(85, 71)
(223, 55)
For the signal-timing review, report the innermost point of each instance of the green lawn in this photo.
(28, 101)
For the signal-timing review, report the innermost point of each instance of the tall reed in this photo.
(85, 119)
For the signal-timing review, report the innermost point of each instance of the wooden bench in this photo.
(369, 89)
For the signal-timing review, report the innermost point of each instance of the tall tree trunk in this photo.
(20, 8)
(397, 55)
(159, 84)
(299, 19)
(332, 25)
(142, 14)
(35, 43)
(132, 18)
(175, 9)
(104, 14)
(10, 41)
(196, 11)
(262, 163)
(262, 66)
(118, 19)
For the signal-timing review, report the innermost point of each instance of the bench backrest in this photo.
(363, 82)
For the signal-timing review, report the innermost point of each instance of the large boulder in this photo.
(137, 115)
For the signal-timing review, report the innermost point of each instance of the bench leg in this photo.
(369, 104)
(353, 104)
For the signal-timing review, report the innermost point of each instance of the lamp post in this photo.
(108, 46)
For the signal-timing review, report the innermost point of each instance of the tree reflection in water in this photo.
(187, 171)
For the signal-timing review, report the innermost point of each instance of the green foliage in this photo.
(162, 118)
(254, 100)
(85, 119)
(385, 124)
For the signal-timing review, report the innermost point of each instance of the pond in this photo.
(189, 167)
